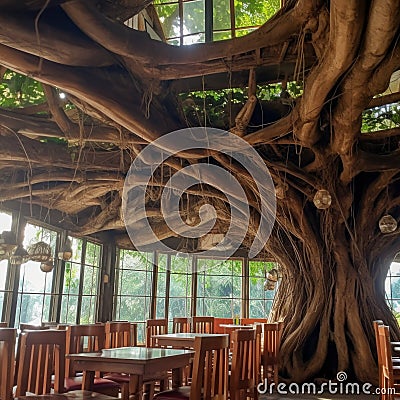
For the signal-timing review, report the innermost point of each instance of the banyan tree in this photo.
(312, 90)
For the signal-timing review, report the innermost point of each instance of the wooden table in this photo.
(141, 363)
(181, 340)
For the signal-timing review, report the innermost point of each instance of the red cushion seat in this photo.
(75, 383)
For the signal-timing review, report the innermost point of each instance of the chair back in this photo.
(3, 324)
(155, 327)
(203, 324)
(120, 334)
(180, 325)
(270, 356)
(386, 380)
(244, 364)
(32, 327)
(7, 355)
(221, 321)
(42, 354)
(83, 339)
(251, 321)
(210, 368)
(375, 325)
(258, 329)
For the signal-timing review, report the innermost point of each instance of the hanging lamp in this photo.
(387, 224)
(20, 256)
(66, 250)
(271, 279)
(47, 266)
(322, 199)
(40, 252)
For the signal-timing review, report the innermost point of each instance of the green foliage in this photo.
(217, 104)
(17, 90)
(397, 316)
(380, 118)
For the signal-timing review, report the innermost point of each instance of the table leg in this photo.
(177, 377)
(135, 387)
(87, 380)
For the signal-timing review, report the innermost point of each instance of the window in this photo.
(5, 225)
(133, 282)
(185, 22)
(180, 291)
(35, 286)
(260, 300)
(81, 283)
(163, 261)
(91, 274)
(70, 292)
(219, 288)
(392, 285)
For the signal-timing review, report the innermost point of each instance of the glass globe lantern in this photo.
(322, 199)
(387, 224)
(47, 266)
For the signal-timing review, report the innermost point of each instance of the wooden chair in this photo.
(84, 339)
(3, 324)
(251, 321)
(221, 321)
(7, 356)
(243, 378)
(203, 324)
(270, 356)
(155, 327)
(388, 372)
(180, 325)
(23, 328)
(210, 372)
(258, 329)
(380, 355)
(120, 334)
(42, 354)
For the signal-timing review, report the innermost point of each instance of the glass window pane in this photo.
(221, 14)
(254, 12)
(193, 17)
(169, 18)
(134, 277)
(219, 287)
(35, 286)
(260, 300)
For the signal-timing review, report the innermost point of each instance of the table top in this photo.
(143, 361)
(124, 354)
(186, 336)
(234, 326)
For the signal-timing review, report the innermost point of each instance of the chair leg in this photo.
(125, 391)
(276, 374)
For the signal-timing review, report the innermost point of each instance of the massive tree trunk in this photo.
(333, 283)
(125, 90)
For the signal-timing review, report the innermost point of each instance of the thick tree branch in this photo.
(17, 30)
(121, 101)
(139, 47)
(346, 21)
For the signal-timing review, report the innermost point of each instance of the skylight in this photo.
(197, 21)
